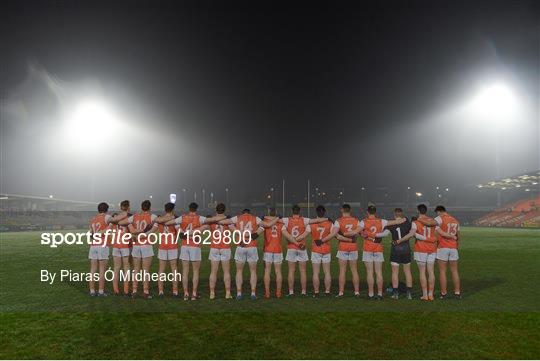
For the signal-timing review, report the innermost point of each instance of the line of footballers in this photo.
(436, 239)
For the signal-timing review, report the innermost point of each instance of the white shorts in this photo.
(167, 254)
(422, 257)
(142, 251)
(447, 254)
(297, 255)
(220, 254)
(98, 252)
(246, 254)
(347, 255)
(372, 256)
(190, 253)
(317, 257)
(121, 252)
(270, 257)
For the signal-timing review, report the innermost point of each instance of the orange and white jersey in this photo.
(218, 239)
(319, 231)
(139, 221)
(272, 238)
(99, 224)
(347, 224)
(247, 222)
(296, 226)
(427, 242)
(372, 225)
(450, 225)
(188, 223)
(167, 237)
(122, 238)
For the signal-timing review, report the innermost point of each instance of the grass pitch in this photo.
(498, 317)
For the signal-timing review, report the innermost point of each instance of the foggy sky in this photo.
(244, 97)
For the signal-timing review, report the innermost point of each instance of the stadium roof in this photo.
(527, 182)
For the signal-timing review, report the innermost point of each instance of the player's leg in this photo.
(423, 279)
(214, 267)
(117, 265)
(185, 278)
(327, 277)
(316, 267)
(408, 279)
(161, 270)
(253, 278)
(353, 265)
(239, 278)
(279, 278)
(442, 277)
(196, 266)
(302, 265)
(455, 277)
(102, 268)
(290, 276)
(369, 277)
(431, 279)
(93, 270)
(226, 266)
(342, 273)
(395, 279)
(136, 270)
(146, 263)
(379, 275)
(174, 270)
(266, 278)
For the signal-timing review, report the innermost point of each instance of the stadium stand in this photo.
(523, 213)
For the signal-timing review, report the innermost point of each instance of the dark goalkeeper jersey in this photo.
(398, 232)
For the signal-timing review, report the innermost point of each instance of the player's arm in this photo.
(395, 222)
(428, 222)
(406, 237)
(333, 232)
(174, 221)
(118, 218)
(226, 222)
(215, 219)
(269, 223)
(318, 220)
(445, 234)
(164, 218)
(288, 237)
(301, 237)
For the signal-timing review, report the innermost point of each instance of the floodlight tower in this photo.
(494, 105)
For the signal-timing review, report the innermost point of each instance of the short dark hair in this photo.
(398, 210)
(193, 206)
(422, 208)
(102, 207)
(295, 209)
(245, 210)
(124, 205)
(346, 207)
(320, 211)
(169, 207)
(371, 209)
(220, 208)
(440, 208)
(145, 205)
(272, 211)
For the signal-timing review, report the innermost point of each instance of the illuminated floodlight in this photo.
(418, 194)
(172, 197)
(494, 105)
(50, 195)
(90, 122)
